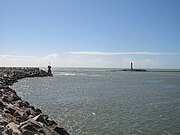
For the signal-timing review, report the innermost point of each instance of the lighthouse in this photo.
(49, 70)
(131, 66)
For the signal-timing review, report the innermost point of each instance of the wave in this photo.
(76, 74)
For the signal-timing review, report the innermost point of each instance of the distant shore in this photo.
(144, 70)
(18, 116)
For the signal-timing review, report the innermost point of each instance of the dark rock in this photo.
(41, 131)
(7, 132)
(17, 114)
(20, 119)
(29, 127)
(51, 123)
(45, 116)
(6, 99)
(28, 111)
(37, 112)
(40, 119)
(2, 105)
(32, 107)
(31, 122)
(9, 117)
(48, 131)
(11, 110)
(14, 128)
(61, 131)
(27, 132)
(3, 122)
(23, 104)
(35, 124)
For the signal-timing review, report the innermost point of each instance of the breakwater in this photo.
(18, 117)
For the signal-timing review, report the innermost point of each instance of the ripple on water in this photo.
(108, 103)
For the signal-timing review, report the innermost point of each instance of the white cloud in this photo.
(59, 60)
(55, 59)
(122, 53)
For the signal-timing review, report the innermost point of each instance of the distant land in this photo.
(146, 70)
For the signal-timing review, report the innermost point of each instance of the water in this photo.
(99, 102)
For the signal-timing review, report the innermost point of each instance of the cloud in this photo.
(99, 60)
(55, 59)
(18, 60)
(122, 53)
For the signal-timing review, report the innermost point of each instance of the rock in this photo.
(51, 123)
(3, 122)
(6, 99)
(9, 117)
(29, 127)
(48, 131)
(28, 111)
(11, 110)
(17, 114)
(1, 105)
(20, 119)
(27, 132)
(35, 124)
(61, 131)
(41, 119)
(23, 104)
(14, 128)
(45, 116)
(31, 122)
(37, 112)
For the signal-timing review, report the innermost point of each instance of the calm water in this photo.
(97, 102)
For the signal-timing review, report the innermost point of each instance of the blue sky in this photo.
(90, 33)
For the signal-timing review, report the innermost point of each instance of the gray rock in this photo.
(2, 105)
(14, 128)
(27, 132)
(41, 119)
(29, 127)
(48, 131)
(61, 131)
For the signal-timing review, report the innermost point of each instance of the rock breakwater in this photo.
(18, 117)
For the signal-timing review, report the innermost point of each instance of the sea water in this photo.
(101, 102)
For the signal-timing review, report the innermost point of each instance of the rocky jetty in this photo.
(133, 70)
(18, 117)
(136, 70)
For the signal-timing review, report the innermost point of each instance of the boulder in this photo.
(29, 127)
(13, 128)
(27, 132)
(47, 130)
(2, 105)
(9, 117)
(61, 131)
(41, 119)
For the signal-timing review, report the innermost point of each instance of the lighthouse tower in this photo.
(49, 70)
(131, 66)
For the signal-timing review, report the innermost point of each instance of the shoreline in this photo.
(18, 117)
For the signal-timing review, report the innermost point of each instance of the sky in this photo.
(90, 33)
